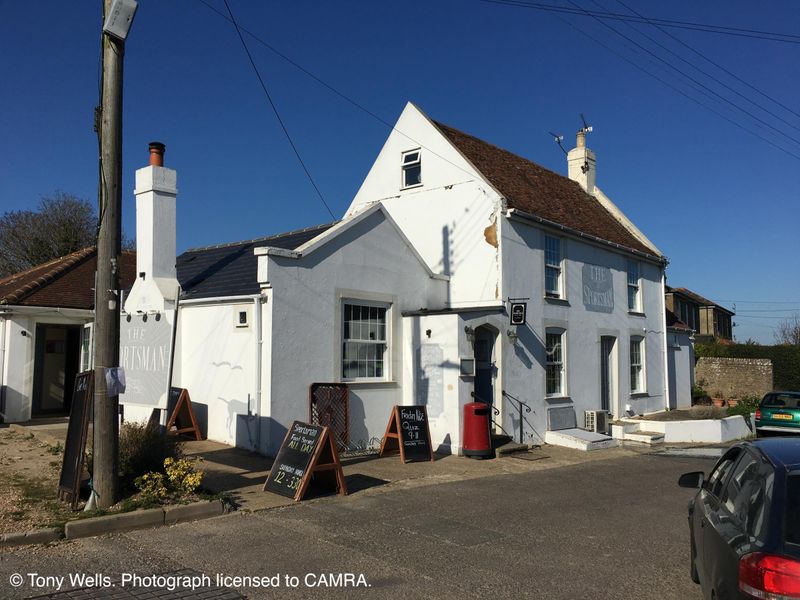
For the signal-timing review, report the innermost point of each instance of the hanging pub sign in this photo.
(308, 453)
(408, 433)
(518, 312)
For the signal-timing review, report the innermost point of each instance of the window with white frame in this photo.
(412, 168)
(634, 289)
(552, 267)
(554, 363)
(637, 365)
(365, 336)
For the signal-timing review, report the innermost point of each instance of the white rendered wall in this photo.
(450, 218)
(524, 365)
(370, 261)
(215, 361)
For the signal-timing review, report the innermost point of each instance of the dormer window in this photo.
(412, 168)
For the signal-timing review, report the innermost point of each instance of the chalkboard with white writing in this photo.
(292, 465)
(75, 444)
(408, 433)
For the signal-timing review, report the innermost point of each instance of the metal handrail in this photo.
(522, 419)
(495, 410)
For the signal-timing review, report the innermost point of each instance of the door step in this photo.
(645, 437)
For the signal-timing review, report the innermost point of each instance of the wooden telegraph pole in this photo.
(106, 348)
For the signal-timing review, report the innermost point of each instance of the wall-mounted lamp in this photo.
(470, 333)
(512, 335)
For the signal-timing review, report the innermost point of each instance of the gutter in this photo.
(665, 349)
(220, 300)
(518, 215)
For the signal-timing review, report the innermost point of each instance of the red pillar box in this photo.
(477, 442)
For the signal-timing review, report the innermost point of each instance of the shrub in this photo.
(744, 407)
(151, 486)
(183, 477)
(143, 449)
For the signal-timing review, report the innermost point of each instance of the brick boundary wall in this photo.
(734, 377)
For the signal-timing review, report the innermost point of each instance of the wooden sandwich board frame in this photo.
(393, 438)
(324, 461)
(183, 411)
(69, 481)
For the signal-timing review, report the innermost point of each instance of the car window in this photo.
(781, 401)
(793, 509)
(745, 494)
(717, 477)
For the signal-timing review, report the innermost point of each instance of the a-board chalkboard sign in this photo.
(182, 420)
(75, 445)
(409, 434)
(308, 453)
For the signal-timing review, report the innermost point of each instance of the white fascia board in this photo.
(342, 226)
(32, 311)
(220, 300)
(606, 202)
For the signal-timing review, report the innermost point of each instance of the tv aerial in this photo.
(558, 139)
(584, 130)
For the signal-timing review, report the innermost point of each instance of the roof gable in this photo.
(232, 269)
(531, 188)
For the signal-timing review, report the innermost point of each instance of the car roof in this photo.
(784, 452)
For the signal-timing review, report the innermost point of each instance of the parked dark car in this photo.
(744, 522)
(778, 413)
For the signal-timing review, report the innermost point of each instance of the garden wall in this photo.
(734, 377)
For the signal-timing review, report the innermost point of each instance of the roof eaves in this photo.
(63, 265)
(525, 216)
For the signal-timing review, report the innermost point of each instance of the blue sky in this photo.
(721, 203)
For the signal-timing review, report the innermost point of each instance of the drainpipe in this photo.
(3, 322)
(664, 337)
(257, 306)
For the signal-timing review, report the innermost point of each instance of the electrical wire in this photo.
(716, 64)
(275, 110)
(674, 88)
(687, 76)
(736, 31)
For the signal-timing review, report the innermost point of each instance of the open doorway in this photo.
(56, 363)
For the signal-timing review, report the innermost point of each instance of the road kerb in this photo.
(179, 513)
(138, 519)
(35, 536)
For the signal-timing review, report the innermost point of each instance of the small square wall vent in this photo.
(241, 317)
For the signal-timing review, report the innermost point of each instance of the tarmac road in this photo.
(601, 529)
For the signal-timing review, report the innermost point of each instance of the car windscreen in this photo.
(781, 401)
(793, 508)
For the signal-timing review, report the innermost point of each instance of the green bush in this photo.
(744, 407)
(142, 449)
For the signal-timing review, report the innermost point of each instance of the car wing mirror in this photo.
(692, 480)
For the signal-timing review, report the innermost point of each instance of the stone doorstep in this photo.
(138, 519)
(645, 437)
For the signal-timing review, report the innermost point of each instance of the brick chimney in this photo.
(156, 285)
(582, 164)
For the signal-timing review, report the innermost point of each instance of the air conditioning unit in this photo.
(596, 420)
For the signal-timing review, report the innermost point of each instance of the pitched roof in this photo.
(697, 298)
(675, 323)
(232, 269)
(65, 282)
(531, 188)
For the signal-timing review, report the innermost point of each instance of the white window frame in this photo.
(406, 165)
(560, 364)
(558, 266)
(87, 350)
(386, 341)
(639, 375)
(635, 286)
